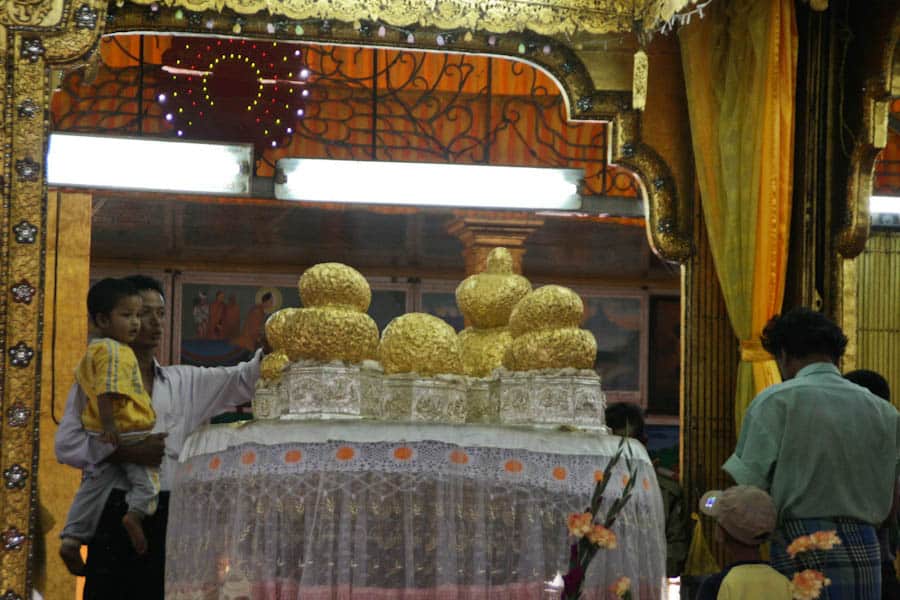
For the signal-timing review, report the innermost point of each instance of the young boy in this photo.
(118, 411)
(745, 517)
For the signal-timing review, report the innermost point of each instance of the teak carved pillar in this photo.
(480, 234)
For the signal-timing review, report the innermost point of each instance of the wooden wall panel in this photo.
(709, 375)
(877, 327)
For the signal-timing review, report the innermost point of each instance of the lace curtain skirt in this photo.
(310, 511)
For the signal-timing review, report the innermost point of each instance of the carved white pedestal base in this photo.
(556, 398)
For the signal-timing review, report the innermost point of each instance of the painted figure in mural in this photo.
(184, 398)
(200, 313)
(217, 317)
(252, 332)
(118, 411)
(231, 323)
(827, 450)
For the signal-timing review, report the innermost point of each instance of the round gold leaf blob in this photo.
(548, 307)
(419, 343)
(483, 349)
(334, 284)
(488, 298)
(277, 328)
(552, 349)
(331, 333)
(272, 365)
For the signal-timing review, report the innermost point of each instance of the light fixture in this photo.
(884, 205)
(427, 184)
(75, 160)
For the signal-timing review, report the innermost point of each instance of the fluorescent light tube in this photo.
(884, 205)
(123, 163)
(427, 184)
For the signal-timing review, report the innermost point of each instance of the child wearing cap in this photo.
(745, 517)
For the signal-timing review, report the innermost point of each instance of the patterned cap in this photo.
(747, 513)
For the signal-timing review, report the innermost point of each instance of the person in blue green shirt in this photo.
(826, 450)
(888, 533)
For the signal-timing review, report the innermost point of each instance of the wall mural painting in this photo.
(662, 444)
(616, 323)
(387, 305)
(443, 306)
(222, 324)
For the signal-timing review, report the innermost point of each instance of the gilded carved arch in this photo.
(873, 108)
(668, 223)
(36, 35)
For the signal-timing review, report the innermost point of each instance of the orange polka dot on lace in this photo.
(249, 457)
(292, 456)
(215, 463)
(513, 466)
(559, 473)
(646, 483)
(345, 453)
(624, 479)
(598, 475)
(458, 457)
(403, 453)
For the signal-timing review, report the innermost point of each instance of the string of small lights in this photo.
(236, 90)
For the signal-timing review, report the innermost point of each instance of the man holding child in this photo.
(183, 398)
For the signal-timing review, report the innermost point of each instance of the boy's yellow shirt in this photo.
(110, 367)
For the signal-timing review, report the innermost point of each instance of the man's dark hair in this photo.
(267, 296)
(872, 381)
(142, 282)
(106, 293)
(802, 332)
(626, 416)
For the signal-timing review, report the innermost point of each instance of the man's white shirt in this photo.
(184, 398)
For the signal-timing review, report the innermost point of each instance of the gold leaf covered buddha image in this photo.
(333, 325)
(486, 300)
(545, 329)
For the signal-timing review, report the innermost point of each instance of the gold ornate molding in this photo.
(547, 17)
(33, 48)
(668, 217)
(871, 137)
(26, 13)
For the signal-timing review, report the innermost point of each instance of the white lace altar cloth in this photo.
(312, 510)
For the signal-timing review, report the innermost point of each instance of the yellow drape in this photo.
(740, 67)
(68, 262)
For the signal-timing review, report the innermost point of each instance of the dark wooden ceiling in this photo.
(276, 236)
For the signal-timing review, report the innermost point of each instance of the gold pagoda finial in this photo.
(499, 262)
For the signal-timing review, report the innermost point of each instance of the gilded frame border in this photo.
(36, 36)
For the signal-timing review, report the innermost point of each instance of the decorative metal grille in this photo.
(377, 104)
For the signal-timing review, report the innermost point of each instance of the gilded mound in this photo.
(548, 307)
(419, 343)
(488, 300)
(334, 284)
(273, 365)
(331, 333)
(483, 349)
(277, 332)
(552, 349)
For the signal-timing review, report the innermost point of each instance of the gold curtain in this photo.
(65, 338)
(740, 67)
